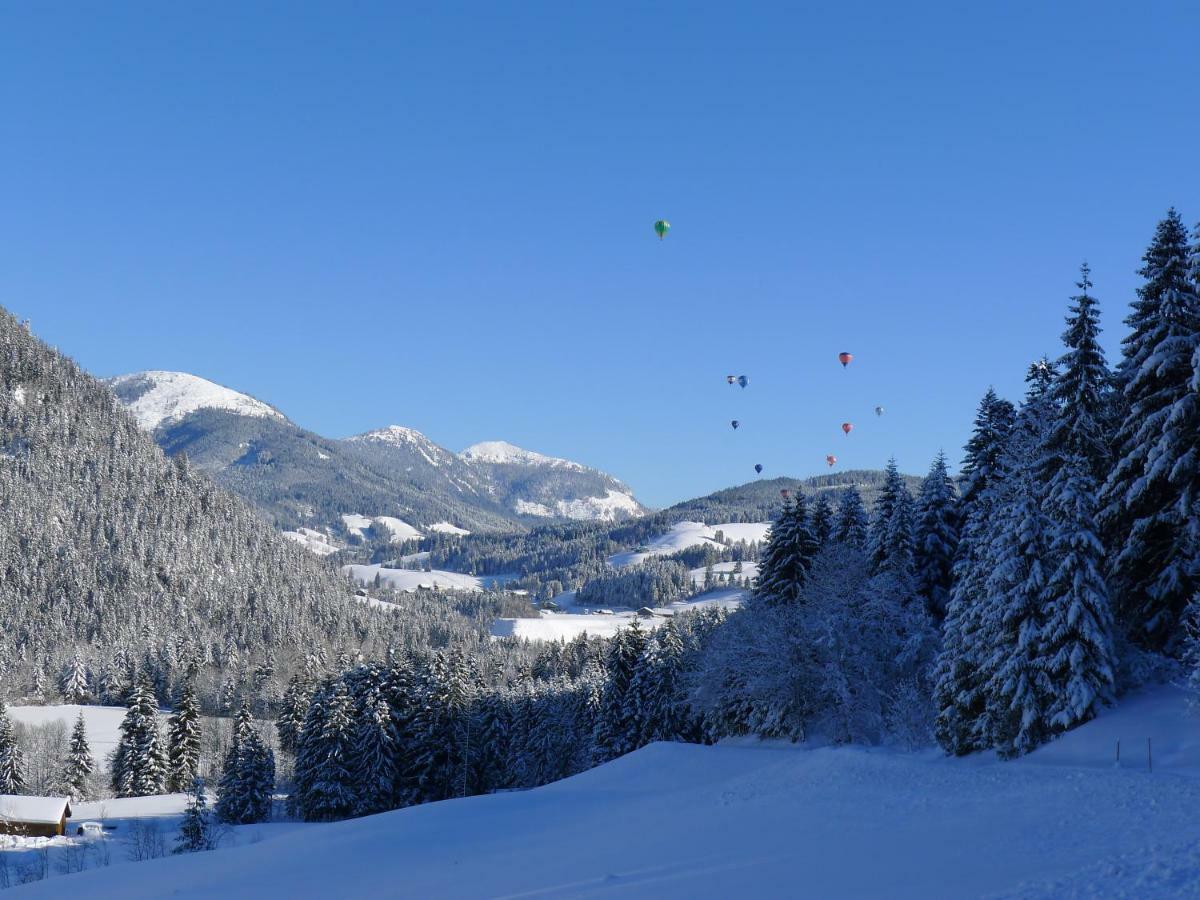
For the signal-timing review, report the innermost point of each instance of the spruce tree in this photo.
(248, 775)
(376, 756)
(183, 742)
(12, 763)
(890, 543)
(822, 519)
(324, 757)
(959, 691)
(1151, 571)
(788, 555)
(140, 766)
(77, 772)
(294, 708)
(195, 831)
(936, 539)
(852, 525)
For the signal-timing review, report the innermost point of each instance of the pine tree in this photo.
(959, 691)
(183, 742)
(1077, 636)
(788, 555)
(74, 681)
(77, 772)
(248, 775)
(376, 756)
(936, 539)
(822, 519)
(324, 757)
(139, 766)
(890, 544)
(1140, 499)
(853, 525)
(195, 831)
(617, 726)
(294, 708)
(12, 763)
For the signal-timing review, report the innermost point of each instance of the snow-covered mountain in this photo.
(308, 483)
(157, 398)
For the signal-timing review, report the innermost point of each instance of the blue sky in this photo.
(439, 214)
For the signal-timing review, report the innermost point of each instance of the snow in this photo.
(102, 723)
(692, 534)
(572, 620)
(613, 505)
(399, 530)
(18, 395)
(753, 819)
(34, 810)
(399, 436)
(447, 528)
(504, 453)
(410, 580)
(749, 570)
(314, 541)
(173, 395)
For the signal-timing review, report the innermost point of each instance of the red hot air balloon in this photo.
(844, 358)
(847, 427)
(831, 459)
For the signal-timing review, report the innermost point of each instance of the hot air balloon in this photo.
(743, 380)
(831, 459)
(661, 227)
(844, 358)
(784, 493)
(735, 423)
(879, 410)
(847, 427)
(732, 379)
(758, 468)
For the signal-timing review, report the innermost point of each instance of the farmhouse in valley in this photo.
(34, 816)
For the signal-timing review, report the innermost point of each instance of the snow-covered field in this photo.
(170, 396)
(750, 819)
(692, 534)
(103, 723)
(412, 580)
(313, 541)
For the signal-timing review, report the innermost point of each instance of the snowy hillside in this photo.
(750, 819)
(103, 723)
(411, 580)
(155, 398)
(683, 535)
(397, 436)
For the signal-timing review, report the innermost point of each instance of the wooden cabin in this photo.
(34, 816)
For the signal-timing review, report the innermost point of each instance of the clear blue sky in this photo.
(439, 215)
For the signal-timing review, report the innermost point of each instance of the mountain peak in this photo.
(392, 434)
(156, 397)
(504, 453)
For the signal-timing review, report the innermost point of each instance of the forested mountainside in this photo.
(113, 556)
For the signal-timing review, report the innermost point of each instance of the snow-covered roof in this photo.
(33, 810)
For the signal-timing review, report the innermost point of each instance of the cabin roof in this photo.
(33, 810)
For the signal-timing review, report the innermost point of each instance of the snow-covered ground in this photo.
(448, 528)
(314, 541)
(571, 620)
(692, 534)
(412, 580)
(750, 819)
(504, 453)
(157, 397)
(103, 723)
(726, 571)
(589, 509)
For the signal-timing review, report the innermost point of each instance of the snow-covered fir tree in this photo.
(376, 755)
(890, 544)
(959, 697)
(183, 741)
(1150, 571)
(79, 765)
(324, 757)
(74, 683)
(788, 554)
(248, 775)
(617, 726)
(852, 525)
(12, 763)
(139, 765)
(822, 519)
(1077, 652)
(936, 538)
(195, 831)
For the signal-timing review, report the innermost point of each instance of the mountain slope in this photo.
(547, 487)
(158, 397)
(109, 547)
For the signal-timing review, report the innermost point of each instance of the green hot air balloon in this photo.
(661, 227)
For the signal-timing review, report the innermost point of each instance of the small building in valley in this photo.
(34, 816)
